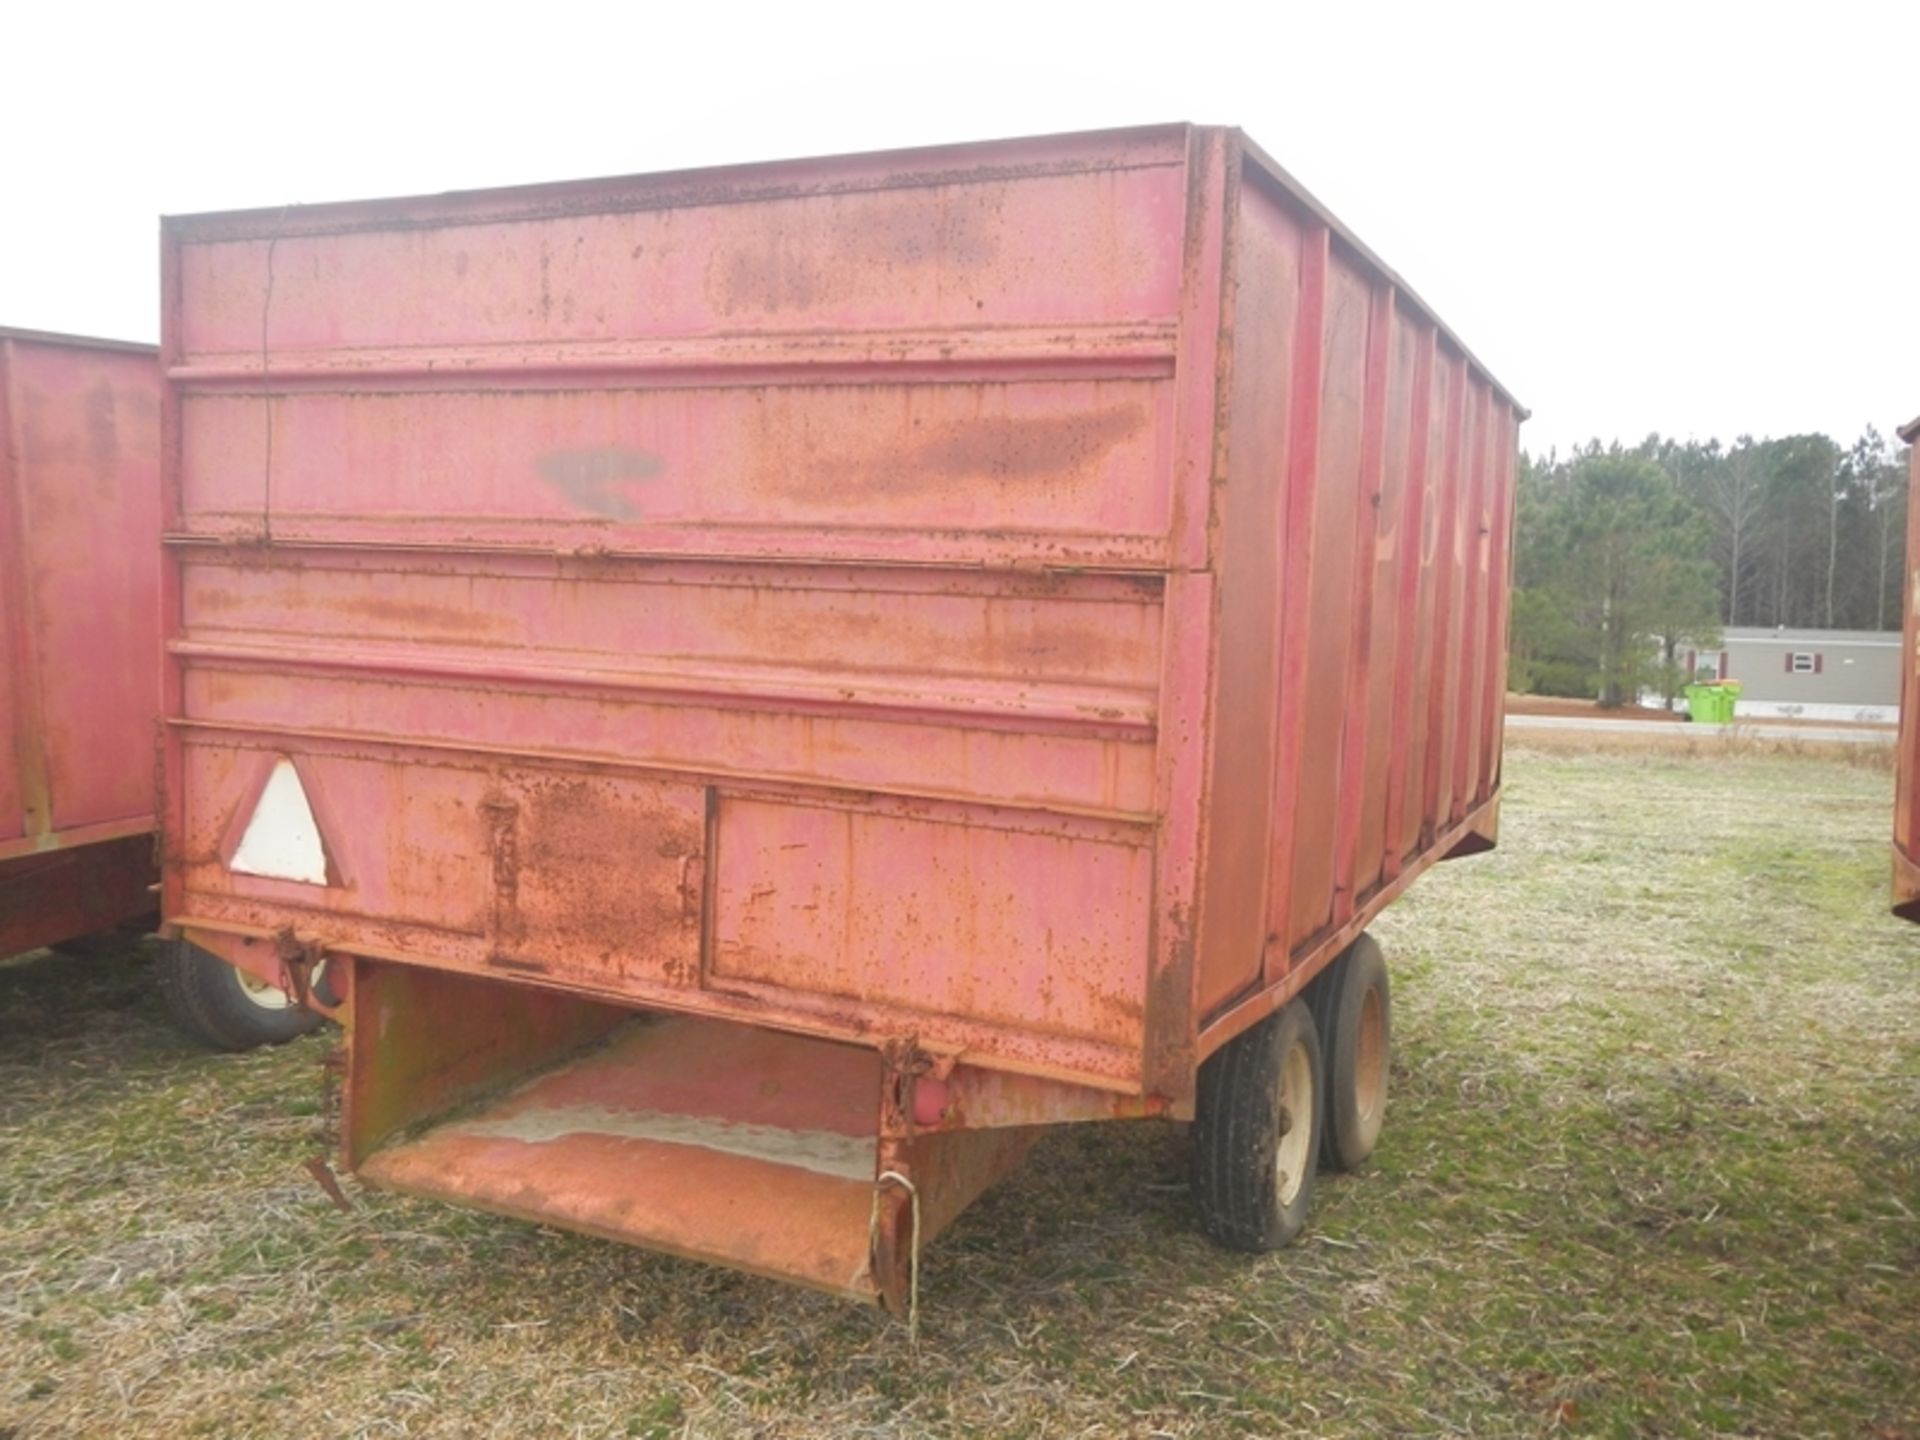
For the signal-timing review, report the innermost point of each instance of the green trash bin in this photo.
(1712, 703)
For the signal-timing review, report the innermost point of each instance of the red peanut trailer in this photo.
(79, 634)
(750, 693)
(1906, 812)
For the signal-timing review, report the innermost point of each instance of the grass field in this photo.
(1652, 1168)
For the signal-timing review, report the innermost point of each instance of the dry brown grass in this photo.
(1741, 742)
(1653, 1169)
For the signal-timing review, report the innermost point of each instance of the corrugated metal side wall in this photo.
(1363, 547)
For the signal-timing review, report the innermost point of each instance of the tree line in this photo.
(1625, 556)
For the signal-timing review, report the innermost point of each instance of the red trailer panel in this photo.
(1906, 812)
(79, 659)
(972, 631)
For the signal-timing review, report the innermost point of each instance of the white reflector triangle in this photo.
(282, 840)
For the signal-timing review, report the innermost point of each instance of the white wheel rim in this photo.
(260, 993)
(1295, 1151)
(1370, 1059)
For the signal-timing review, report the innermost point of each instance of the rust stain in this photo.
(220, 688)
(908, 230)
(412, 615)
(220, 601)
(1169, 1067)
(1130, 1009)
(1023, 643)
(103, 442)
(608, 878)
(599, 480)
(574, 817)
(502, 819)
(999, 449)
(763, 279)
(864, 241)
(1026, 446)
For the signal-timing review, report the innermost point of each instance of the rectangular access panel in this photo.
(79, 633)
(1019, 609)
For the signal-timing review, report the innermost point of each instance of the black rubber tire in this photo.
(1353, 1005)
(1237, 1134)
(207, 1000)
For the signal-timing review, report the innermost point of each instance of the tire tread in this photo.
(202, 998)
(1234, 1133)
(1344, 985)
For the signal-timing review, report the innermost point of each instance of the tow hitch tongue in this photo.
(786, 1156)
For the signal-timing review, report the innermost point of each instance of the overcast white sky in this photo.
(1692, 218)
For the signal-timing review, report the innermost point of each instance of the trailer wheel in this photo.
(1256, 1133)
(223, 1007)
(1353, 1004)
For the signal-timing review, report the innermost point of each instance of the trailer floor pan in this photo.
(714, 1141)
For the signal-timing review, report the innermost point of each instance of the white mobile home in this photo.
(1807, 674)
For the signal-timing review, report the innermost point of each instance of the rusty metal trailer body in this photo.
(953, 636)
(79, 634)
(1906, 814)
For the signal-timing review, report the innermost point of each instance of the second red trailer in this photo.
(79, 634)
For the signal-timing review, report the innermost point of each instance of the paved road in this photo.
(1841, 734)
